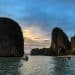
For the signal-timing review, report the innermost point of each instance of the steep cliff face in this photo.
(11, 38)
(73, 43)
(60, 43)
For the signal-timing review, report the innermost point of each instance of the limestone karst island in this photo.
(11, 38)
(12, 42)
(60, 45)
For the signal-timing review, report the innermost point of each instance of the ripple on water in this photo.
(37, 65)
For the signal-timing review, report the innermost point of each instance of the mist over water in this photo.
(37, 65)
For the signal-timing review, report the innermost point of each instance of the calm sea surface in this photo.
(37, 65)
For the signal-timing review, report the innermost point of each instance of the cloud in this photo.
(35, 33)
(45, 14)
(38, 17)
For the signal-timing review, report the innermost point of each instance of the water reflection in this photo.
(41, 65)
(37, 65)
(9, 66)
(62, 66)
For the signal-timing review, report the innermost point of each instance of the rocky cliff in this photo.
(60, 43)
(73, 43)
(11, 38)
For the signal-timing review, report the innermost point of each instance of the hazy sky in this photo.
(38, 17)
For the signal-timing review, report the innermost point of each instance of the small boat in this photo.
(69, 57)
(26, 58)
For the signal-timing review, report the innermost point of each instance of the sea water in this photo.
(37, 65)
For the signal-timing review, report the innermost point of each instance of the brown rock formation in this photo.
(73, 43)
(60, 43)
(11, 38)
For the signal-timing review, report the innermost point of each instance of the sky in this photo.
(38, 17)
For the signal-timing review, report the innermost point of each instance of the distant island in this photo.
(43, 51)
(60, 45)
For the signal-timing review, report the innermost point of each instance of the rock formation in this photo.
(73, 43)
(43, 51)
(11, 38)
(60, 43)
